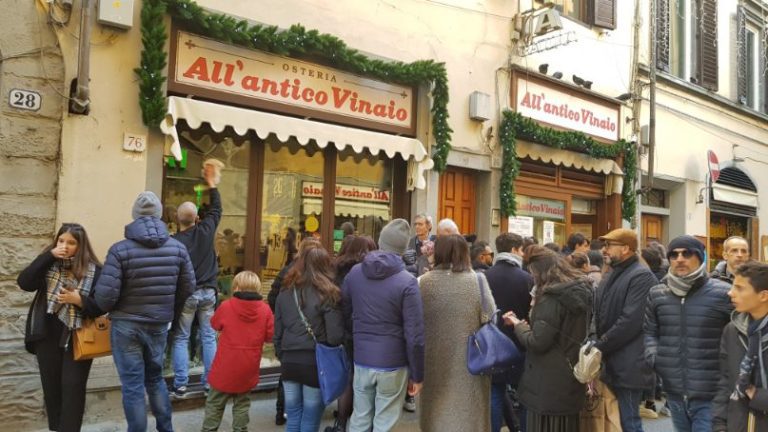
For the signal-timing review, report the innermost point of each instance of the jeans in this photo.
(214, 410)
(690, 415)
(378, 399)
(303, 407)
(199, 305)
(139, 350)
(629, 408)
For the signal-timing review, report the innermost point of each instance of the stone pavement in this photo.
(188, 417)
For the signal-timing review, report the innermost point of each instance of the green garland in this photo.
(294, 42)
(514, 125)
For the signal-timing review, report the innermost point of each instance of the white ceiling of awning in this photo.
(195, 113)
(347, 208)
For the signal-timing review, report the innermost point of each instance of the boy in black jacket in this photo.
(741, 403)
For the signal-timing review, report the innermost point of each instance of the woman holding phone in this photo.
(67, 265)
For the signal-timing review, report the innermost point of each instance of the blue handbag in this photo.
(489, 350)
(333, 367)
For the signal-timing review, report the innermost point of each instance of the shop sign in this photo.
(521, 225)
(540, 208)
(566, 110)
(347, 192)
(208, 68)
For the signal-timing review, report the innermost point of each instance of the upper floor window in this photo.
(751, 50)
(598, 13)
(686, 40)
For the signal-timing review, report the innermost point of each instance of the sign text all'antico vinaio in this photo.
(205, 63)
(559, 108)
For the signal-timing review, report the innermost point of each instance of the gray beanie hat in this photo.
(394, 236)
(147, 204)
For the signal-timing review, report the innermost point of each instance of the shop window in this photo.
(184, 182)
(722, 226)
(545, 216)
(291, 203)
(363, 194)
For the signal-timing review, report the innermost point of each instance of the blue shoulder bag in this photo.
(332, 364)
(489, 350)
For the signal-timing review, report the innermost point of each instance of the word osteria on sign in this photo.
(566, 110)
(213, 69)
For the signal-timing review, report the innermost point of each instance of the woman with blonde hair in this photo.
(66, 265)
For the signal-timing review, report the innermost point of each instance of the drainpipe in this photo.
(80, 101)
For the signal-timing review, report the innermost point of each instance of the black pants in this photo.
(64, 379)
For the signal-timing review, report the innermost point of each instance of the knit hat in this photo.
(147, 204)
(688, 243)
(394, 236)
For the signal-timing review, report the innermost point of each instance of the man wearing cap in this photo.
(145, 280)
(684, 320)
(619, 308)
(382, 304)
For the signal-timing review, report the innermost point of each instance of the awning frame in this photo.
(242, 120)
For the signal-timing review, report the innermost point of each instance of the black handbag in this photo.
(489, 350)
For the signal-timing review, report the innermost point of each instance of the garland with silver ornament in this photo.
(295, 41)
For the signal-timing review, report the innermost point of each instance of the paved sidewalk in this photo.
(188, 417)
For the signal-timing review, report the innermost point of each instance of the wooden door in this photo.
(653, 229)
(457, 199)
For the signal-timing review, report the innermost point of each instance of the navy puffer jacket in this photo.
(682, 337)
(147, 276)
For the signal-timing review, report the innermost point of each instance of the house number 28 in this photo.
(25, 99)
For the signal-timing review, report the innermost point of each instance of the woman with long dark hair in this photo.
(309, 286)
(67, 264)
(352, 253)
(452, 399)
(562, 309)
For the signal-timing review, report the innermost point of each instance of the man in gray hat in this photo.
(145, 280)
(382, 305)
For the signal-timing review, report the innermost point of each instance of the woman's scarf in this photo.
(757, 335)
(680, 285)
(60, 275)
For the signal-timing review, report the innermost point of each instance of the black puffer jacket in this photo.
(147, 276)
(619, 310)
(730, 415)
(721, 273)
(682, 336)
(558, 327)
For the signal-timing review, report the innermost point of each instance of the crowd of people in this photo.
(674, 338)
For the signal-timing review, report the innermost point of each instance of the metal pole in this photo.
(652, 99)
(81, 98)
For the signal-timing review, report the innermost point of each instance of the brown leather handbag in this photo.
(92, 339)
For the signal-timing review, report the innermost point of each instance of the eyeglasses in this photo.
(487, 254)
(674, 254)
(609, 244)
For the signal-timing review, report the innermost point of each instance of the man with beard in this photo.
(619, 307)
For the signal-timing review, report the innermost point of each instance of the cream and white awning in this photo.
(734, 195)
(570, 159)
(347, 208)
(195, 113)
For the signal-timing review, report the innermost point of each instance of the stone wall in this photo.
(29, 154)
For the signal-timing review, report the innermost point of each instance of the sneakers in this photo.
(648, 413)
(179, 392)
(410, 404)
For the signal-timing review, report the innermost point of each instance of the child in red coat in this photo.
(245, 323)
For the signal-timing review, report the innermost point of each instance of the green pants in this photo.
(214, 410)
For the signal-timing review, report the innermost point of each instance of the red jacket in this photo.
(245, 323)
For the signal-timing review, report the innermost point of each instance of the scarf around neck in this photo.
(757, 335)
(60, 275)
(680, 285)
(509, 257)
